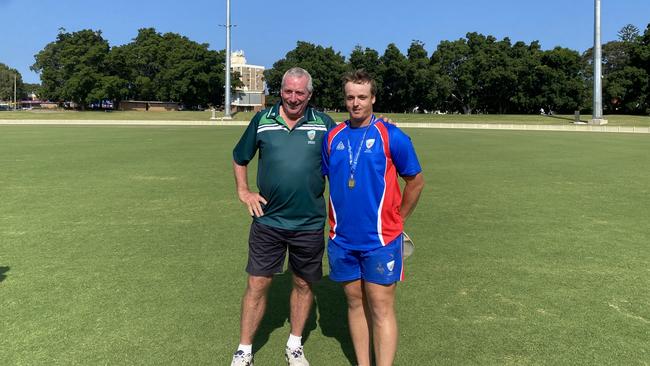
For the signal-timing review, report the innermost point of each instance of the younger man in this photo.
(362, 159)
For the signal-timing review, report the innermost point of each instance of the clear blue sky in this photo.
(267, 30)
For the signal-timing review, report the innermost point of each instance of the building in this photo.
(250, 96)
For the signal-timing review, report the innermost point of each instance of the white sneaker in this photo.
(295, 357)
(242, 359)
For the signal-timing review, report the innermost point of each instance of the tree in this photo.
(81, 67)
(31, 88)
(526, 60)
(394, 94)
(561, 87)
(460, 71)
(7, 75)
(325, 66)
(167, 67)
(421, 75)
(192, 74)
(624, 78)
(72, 68)
(625, 91)
(629, 33)
(366, 59)
(498, 81)
(640, 59)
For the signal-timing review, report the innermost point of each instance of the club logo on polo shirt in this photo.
(311, 134)
(340, 146)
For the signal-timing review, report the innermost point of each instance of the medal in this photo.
(354, 160)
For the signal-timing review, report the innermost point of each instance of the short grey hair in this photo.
(298, 72)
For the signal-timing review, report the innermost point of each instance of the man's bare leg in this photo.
(381, 299)
(301, 300)
(253, 306)
(359, 321)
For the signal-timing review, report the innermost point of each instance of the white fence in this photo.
(518, 127)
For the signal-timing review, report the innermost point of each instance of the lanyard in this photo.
(355, 161)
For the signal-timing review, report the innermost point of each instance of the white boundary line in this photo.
(479, 126)
(520, 127)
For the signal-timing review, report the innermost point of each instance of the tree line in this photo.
(474, 74)
(480, 74)
(81, 67)
(7, 76)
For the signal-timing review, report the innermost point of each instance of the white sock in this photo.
(294, 342)
(246, 348)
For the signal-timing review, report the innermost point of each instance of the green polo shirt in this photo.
(289, 167)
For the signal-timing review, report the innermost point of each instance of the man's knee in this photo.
(383, 311)
(354, 294)
(301, 285)
(382, 301)
(258, 285)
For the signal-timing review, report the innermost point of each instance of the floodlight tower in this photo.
(597, 114)
(228, 26)
(15, 99)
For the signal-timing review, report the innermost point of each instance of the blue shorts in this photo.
(383, 265)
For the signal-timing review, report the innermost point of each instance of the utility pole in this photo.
(227, 114)
(597, 114)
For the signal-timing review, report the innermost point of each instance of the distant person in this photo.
(288, 212)
(542, 111)
(362, 159)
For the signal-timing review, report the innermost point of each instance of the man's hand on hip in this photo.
(253, 202)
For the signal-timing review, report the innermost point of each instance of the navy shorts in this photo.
(383, 265)
(268, 246)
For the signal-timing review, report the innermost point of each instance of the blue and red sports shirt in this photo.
(367, 216)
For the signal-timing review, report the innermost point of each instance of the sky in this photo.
(266, 30)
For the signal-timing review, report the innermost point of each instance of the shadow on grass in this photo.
(277, 311)
(329, 303)
(3, 270)
(333, 315)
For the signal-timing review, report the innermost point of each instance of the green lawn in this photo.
(127, 246)
(615, 120)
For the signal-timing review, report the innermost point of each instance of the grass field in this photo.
(127, 246)
(615, 120)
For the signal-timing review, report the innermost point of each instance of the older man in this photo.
(289, 210)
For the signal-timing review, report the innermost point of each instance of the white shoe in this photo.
(242, 359)
(295, 356)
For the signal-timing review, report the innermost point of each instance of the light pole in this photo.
(597, 114)
(227, 101)
(15, 100)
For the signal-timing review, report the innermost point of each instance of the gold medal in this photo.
(351, 183)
